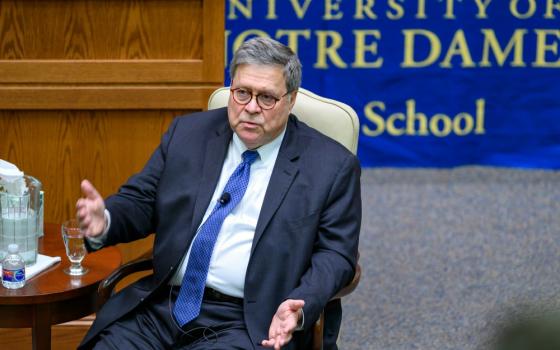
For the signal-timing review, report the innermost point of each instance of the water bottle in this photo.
(13, 269)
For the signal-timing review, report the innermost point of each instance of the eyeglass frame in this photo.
(256, 97)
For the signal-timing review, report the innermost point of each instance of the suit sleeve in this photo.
(335, 250)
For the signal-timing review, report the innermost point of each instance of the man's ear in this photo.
(293, 96)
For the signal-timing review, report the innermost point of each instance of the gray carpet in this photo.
(448, 255)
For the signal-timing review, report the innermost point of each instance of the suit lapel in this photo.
(214, 157)
(283, 175)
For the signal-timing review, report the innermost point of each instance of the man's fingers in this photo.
(283, 323)
(89, 210)
(276, 342)
(81, 209)
(279, 343)
(295, 304)
(89, 191)
(269, 343)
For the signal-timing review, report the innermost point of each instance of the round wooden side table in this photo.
(52, 296)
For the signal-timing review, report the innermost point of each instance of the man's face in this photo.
(255, 126)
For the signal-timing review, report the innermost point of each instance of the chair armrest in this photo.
(351, 286)
(107, 286)
(318, 327)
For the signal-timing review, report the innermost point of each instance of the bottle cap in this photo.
(13, 248)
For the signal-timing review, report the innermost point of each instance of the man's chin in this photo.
(250, 139)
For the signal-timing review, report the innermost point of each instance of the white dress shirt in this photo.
(233, 246)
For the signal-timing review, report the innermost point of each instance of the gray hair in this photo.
(266, 51)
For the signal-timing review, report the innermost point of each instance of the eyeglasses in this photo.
(265, 101)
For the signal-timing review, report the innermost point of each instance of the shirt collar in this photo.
(267, 152)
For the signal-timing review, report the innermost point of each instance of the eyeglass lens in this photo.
(265, 101)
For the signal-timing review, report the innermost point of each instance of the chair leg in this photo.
(318, 333)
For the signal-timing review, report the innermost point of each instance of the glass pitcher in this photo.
(20, 220)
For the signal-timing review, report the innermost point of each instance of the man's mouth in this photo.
(249, 124)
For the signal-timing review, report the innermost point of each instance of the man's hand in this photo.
(284, 322)
(90, 210)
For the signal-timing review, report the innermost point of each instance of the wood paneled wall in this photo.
(110, 54)
(87, 87)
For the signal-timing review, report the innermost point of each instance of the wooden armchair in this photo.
(334, 119)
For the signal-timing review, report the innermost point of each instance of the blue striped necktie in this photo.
(187, 305)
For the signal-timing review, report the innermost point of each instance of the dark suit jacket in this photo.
(306, 239)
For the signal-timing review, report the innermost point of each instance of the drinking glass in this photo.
(73, 238)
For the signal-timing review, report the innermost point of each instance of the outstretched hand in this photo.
(90, 210)
(283, 324)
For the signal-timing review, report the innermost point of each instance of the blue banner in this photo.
(436, 83)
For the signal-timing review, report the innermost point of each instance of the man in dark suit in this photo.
(283, 251)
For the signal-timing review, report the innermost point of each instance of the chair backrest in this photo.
(333, 118)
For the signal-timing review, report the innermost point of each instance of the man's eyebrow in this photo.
(257, 92)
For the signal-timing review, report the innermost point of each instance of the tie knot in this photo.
(250, 156)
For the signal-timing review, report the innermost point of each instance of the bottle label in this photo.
(13, 275)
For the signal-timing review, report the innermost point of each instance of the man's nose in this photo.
(253, 107)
